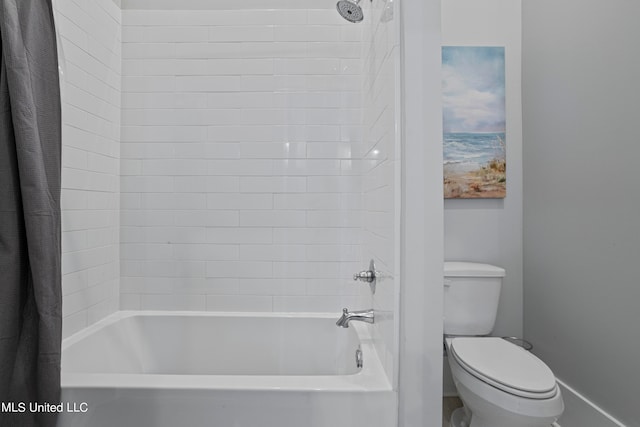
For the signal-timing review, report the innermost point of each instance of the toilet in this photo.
(500, 384)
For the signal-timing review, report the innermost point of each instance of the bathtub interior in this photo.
(190, 343)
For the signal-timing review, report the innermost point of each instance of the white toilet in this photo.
(501, 384)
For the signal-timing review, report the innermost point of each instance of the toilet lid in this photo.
(505, 366)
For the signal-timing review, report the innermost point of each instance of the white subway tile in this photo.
(333, 288)
(351, 33)
(74, 158)
(229, 33)
(308, 66)
(179, 117)
(207, 218)
(333, 252)
(237, 235)
(144, 184)
(74, 282)
(180, 17)
(206, 252)
(105, 307)
(73, 323)
(148, 67)
(239, 269)
(334, 218)
(203, 184)
(279, 49)
(308, 167)
(273, 150)
(239, 201)
(222, 150)
(129, 301)
(174, 167)
(148, 84)
(240, 167)
(102, 236)
(207, 83)
(250, 303)
(150, 251)
(331, 150)
(130, 201)
(160, 34)
(164, 133)
(279, 16)
(148, 50)
(315, 303)
(269, 287)
(296, 33)
(273, 184)
(189, 268)
(270, 252)
(147, 285)
(146, 218)
(74, 199)
(307, 201)
(317, 236)
(311, 270)
(334, 184)
(272, 218)
(172, 302)
(103, 200)
(163, 100)
(168, 201)
(206, 286)
(324, 17)
(162, 234)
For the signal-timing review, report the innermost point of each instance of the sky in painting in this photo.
(473, 89)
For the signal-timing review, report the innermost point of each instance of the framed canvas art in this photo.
(474, 122)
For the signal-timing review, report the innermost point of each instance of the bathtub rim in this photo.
(371, 377)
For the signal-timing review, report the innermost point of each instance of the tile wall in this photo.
(381, 169)
(89, 33)
(242, 160)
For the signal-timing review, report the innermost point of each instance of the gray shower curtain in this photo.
(30, 134)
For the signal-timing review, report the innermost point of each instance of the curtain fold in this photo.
(30, 252)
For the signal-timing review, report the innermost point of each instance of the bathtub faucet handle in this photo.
(369, 275)
(365, 276)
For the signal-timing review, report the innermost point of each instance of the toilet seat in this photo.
(504, 366)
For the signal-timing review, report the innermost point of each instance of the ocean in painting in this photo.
(471, 151)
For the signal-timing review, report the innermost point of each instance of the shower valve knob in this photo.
(365, 276)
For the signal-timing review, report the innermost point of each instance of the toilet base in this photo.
(459, 418)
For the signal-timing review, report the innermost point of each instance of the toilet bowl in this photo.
(499, 383)
(502, 385)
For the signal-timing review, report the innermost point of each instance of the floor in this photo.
(449, 404)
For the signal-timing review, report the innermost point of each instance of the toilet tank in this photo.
(471, 295)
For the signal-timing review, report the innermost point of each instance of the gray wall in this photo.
(581, 65)
(490, 230)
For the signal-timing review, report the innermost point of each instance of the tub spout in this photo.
(360, 316)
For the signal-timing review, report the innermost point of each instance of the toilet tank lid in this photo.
(471, 269)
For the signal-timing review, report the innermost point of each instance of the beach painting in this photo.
(474, 120)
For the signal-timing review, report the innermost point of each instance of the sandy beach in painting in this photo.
(488, 182)
(474, 165)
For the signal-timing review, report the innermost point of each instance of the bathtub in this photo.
(184, 369)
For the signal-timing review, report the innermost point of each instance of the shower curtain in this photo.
(30, 271)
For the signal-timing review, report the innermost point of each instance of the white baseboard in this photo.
(581, 412)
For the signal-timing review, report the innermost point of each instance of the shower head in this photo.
(350, 10)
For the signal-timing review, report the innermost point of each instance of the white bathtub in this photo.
(183, 369)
